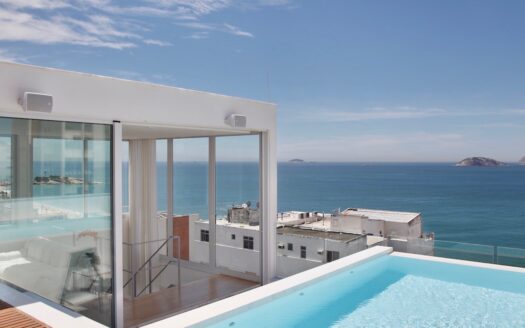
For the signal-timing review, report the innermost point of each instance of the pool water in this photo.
(393, 291)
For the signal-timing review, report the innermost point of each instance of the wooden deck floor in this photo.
(168, 301)
(10, 317)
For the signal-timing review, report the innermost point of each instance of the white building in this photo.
(301, 249)
(74, 246)
(379, 223)
(292, 218)
(238, 246)
(298, 248)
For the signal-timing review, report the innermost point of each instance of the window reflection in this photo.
(55, 212)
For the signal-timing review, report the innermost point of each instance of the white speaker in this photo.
(236, 121)
(36, 102)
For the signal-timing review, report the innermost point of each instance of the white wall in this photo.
(290, 262)
(80, 96)
(231, 253)
(347, 223)
(287, 266)
(375, 227)
(415, 228)
(362, 224)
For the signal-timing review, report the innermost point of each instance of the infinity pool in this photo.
(395, 291)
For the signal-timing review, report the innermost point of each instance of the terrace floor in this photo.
(167, 302)
(13, 318)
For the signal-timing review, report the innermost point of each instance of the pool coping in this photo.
(483, 265)
(220, 309)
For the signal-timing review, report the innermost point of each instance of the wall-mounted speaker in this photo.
(36, 102)
(236, 121)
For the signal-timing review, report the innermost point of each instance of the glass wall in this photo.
(55, 212)
(190, 200)
(238, 212)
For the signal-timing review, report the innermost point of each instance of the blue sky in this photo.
(382, 80)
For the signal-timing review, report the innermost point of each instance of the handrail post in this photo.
(178, 265)
(149, 274)
(148, 263)
(133, 274)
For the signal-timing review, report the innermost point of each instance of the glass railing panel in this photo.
(510, 256)
(464, 251)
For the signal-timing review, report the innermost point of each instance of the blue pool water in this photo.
(394, 291)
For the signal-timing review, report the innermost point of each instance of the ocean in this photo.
(483, 205)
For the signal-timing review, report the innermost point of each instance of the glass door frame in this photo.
(212, 196)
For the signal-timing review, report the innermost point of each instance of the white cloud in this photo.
(206, 28)
(108, 23)
(377, 113)
(157, 43)
(198, 35)
(97, 31)
(35, 4)
(496, 125)
(196, 7)
(198, 26)
(516, 111)
(418, 146)
(400, 112)
(237, 31)
(275, 2)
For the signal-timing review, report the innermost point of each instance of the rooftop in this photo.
(226, 223)
(340, 236)
(390, 216)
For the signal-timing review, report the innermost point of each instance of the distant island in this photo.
(522, 161)
(296, 160)
(480, 161)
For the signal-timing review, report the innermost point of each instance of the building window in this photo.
(303, 252)
(248, 242)
(290, 246)
(233, 236)
(205, 235)
(332, 256)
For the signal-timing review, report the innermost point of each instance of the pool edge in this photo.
(215, 311)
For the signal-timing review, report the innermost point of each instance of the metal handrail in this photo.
(150, 284)
(148, 241)
(148, 262)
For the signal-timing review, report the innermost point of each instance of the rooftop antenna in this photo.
(268, 95)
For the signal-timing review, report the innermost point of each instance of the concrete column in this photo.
(268, 167)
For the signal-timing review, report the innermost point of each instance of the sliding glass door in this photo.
(238, 210)
(55, 212)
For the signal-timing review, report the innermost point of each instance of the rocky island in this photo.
(480, 161)
(522, 161)
(296, 160)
